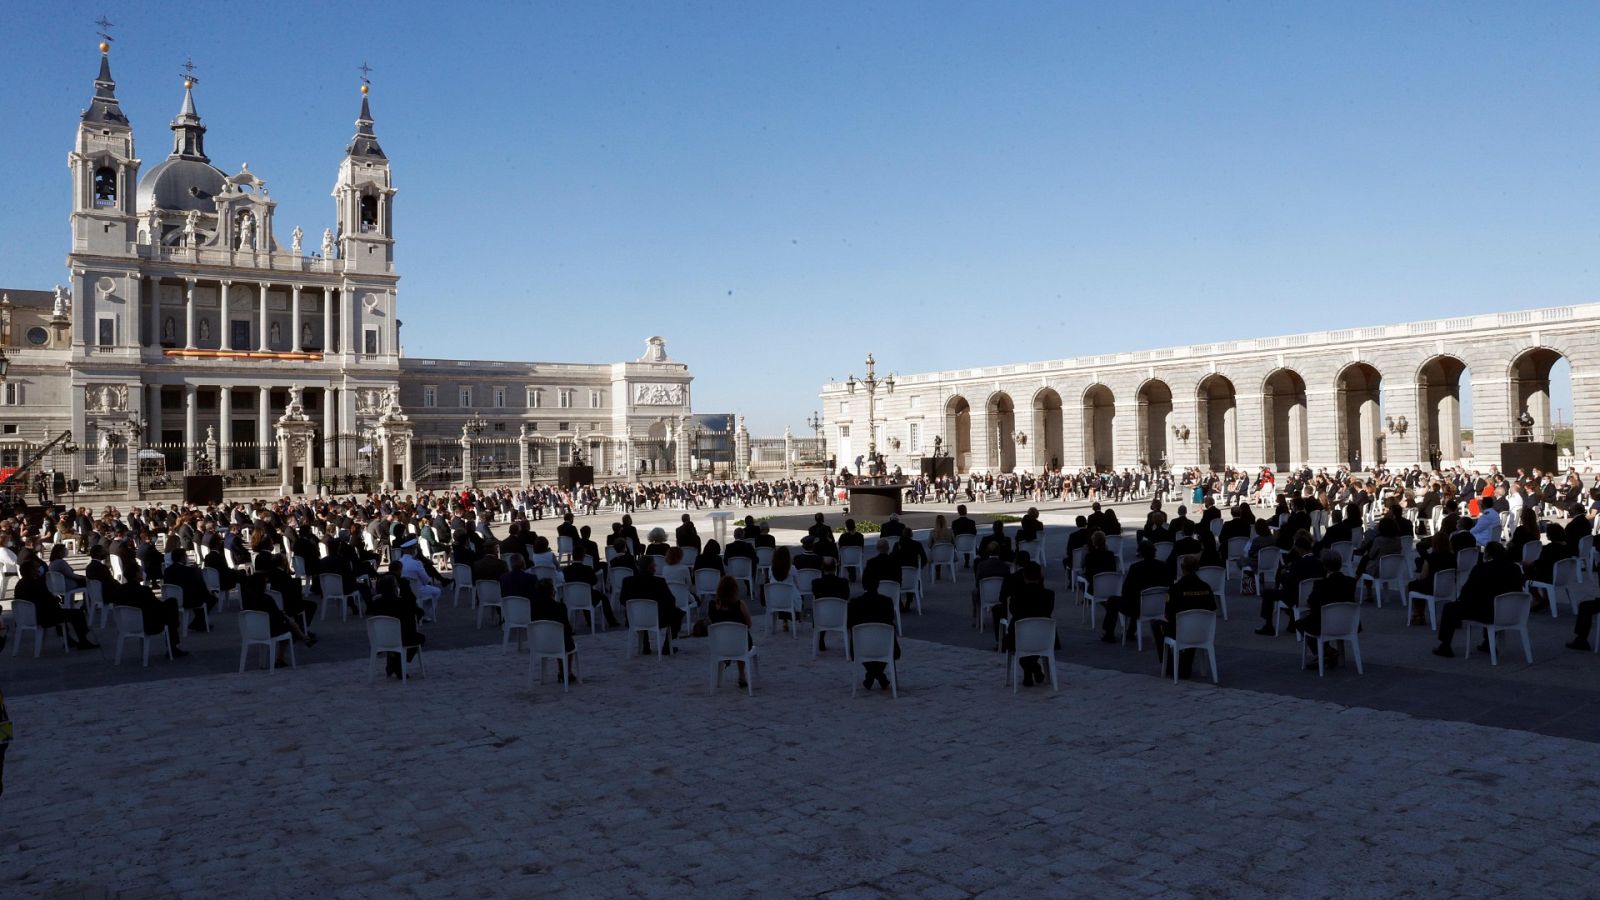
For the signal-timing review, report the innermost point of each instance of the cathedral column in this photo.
(152, 322)
(224, 427)
(188, 315)
(328, 431)
(264, 425)
(327, 320)
(190, 438)
(294, 321)
(225, 320)
(153, 416)
(262, 343)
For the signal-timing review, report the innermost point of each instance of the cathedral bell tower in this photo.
(104, 173)
(364, 197)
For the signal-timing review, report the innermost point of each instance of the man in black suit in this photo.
(893, 528)
(1334, 587)
(195, 593)
(580, 572)
(1301, 565)
(647, 585)
(871, 606)
(518, 581)
(1030, 600)
(819, 530)
(1147, 572)
(1187, 593)
(850, 537)
(567, 530)
(829, 584)
(544, 607)
(1489, 579)
(962, 524)
(687, 535)
(881, 567)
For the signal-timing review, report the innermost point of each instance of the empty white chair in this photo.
(690, 554)
(70, 597)
(1340, 622)
(617, 575)
(1216, 578)
(25, 618)
(1391, 576)
(96, 592)
(488, 598)
(849, 562)
(730, 642)
(783, 600)
(1266, 574)
(1510, 614)
(460, 583)
(1585, 556)
(804, 579)
(1302, 604)
(943, 556)
(117, 571)
(578, 598)
(548, 573)
(1152, 608)
(1466, 558)
(828, 614)
(966, 547)
(764, 564)
(911, 586)
(891, 589)
(1444, 591)
(874, 642)
(1347, 554)
(213, 580)
(741, 570)
(644, 617)
(564, 548)
(1105, 586)
(385, 636)
(130, 627)
(1195, 629)
(685, 600)
(705, 584)
(1531, 551)
(255, 630)
(988, 598)
(547, 641)
(1562, 577)
(1164, 550)
(332, 585)
(1033, 637)
(516, 614)
(1234, 560)
(185, 615)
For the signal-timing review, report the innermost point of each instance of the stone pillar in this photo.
(190, 425)
(262, 341)
(136, 410)
(224, 319)
(294, 321)
(329, 429)
(264, 436)
(386, 441)
(788, 452)
(466, 458)
(409, 482)
(1185, 414)
(152, 329)
(153, 421)
(327, 320)
(225, 427)
(524, 474)
(188, 314)
(741, 449)
(211, 447)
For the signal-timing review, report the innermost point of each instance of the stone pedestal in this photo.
(297, 436)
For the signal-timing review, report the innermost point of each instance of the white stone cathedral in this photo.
(188, 331)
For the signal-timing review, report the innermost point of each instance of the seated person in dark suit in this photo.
(159, 615)
(1333, 587)
(962, 524)
(710, 557)
(647, 585)
(893, 528)
(518, 581)
(48, 610)
(1145, 573)
(740, 546)
(195, 593)
(1029, 601)
(295, 604)
(544, 607)
(392, 596)
(1298, 566)
(850, 537)
(1187, 593)
(910, 553)
(1489, 579)
(881, 567)
(829, 584)
(687, 535)
(808, 558)
(820, 532)
(870, 606)
(253, 596)
(579, 572)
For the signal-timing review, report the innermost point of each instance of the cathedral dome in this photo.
(181, 184)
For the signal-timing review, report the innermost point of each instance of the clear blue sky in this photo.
(779, 188)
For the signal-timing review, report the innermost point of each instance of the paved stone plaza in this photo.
(188, 779)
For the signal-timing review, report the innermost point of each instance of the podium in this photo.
(938, 467)
(874, 502)
(202, 490)
(1528, 455)
(570, 477)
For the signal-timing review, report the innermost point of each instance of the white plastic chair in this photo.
(1562, 577)
(1531, 551)
(1034, 549)
(213, 580)
(578, 598)
(1510, 614)
(185, 614)
(644, 617)
(764, 564)
(828, 615)
(516, 614)
(332, 585)
(548, 641)
(740, 569)
(966, 547)
(460, 583)
(1152, 608)
(564, 548)
(1347, 554)
(943, 556)
(850, 562)
(988, 598)
(730, 642)
(548, 573)
(117, 572)
(804, 580)
(385, 636)
(255, 630)
(1267, 563)
(1466, 558)
(1196, 629)
(616, 575)
(70, 598)
(1234, 558)
(130, 627)
(685, 600)
(911, 586)
(1340, 622)
(25, 618)
(874, 642)
(1302, 604)
(1164, 550)
(1033, 637)
(488, 593)
(705, 584)
(1444, 591)
(96, 593)
(891, 589)
(1216, 578)
(1106, 585)
(1391, 575)
(783, 599)
(1585, 556)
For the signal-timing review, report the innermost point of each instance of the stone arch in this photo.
(1217, 421)
(958, 431)
(1047, 425)
(1442, 380)
(1358, 405)
(1286, 435)
(1154, 416)
(1099, 427)
(1532, 373)
(1002, 416)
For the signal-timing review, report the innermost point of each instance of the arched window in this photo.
(369, 212)
(105, 187)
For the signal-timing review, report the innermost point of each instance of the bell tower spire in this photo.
(364, 196)
(104, 169)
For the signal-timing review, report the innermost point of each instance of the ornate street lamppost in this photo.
(871, 384)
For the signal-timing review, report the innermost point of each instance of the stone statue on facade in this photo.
(191, 229)
(152, 226)
(61, 308)
(294, 240)
(247, 231)
(327, 243)
(296, 408)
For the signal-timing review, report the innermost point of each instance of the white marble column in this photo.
(188, 314)
(327, 320)
(261, 342)
(294, 321)
(225, 427)
(190, 424)
(224, 319)
(152, 333)
(264, 425)
(329, 428)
